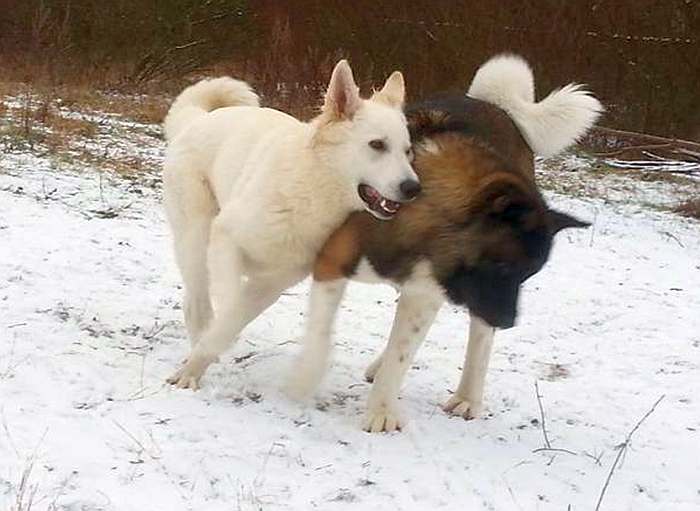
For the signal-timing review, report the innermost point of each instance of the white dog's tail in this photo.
(550, 125)
(203, 97)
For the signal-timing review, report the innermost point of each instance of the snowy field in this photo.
(90, 326)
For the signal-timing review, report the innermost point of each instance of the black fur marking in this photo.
(393, 262)
(487, 292)
(350, 269)
(461, 114)
(490, 288)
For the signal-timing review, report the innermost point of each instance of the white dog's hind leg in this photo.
(414, 315)
(225, 268)
(255, 297)
(240, 303)
(191, 254)
(312, 362)
(467, 401)
(371, 371)
(191, 207)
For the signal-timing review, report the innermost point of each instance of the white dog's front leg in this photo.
(467, 401)
(414, 315)
(312, 363)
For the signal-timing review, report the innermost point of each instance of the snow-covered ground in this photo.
(90, 326)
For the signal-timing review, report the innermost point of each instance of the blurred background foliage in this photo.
(642, 57)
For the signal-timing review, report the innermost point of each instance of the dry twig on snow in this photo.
(547, 444)
(622, 448)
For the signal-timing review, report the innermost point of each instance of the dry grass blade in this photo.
(555, 449)
(690, 208)
(547, 444)
(26, 490)
(622, 448)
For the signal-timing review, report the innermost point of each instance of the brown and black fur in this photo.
(480, 220)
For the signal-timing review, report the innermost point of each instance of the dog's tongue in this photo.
(373, 194)
(377, 202)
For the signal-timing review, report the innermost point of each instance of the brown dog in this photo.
(479, 229)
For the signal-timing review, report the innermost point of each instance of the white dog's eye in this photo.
(409, 154)
(378, 145)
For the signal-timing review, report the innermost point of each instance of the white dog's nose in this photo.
(410, 188)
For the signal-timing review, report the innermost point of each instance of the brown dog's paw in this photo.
(463, 407)
(384, 421)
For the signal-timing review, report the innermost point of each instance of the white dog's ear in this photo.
(393, 92)
(343, 96)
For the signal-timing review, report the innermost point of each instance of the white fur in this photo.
(252, 194)
(467, 401)
(312, 363)
(324, 299)
(203, 97)
(550, 125)
(419, 303)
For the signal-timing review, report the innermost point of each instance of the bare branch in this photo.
(554, 449)
(547, 444)
(622, 449)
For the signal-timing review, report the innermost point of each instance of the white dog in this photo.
(252, 194)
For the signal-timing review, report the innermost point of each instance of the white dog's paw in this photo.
(383, 421)
(300, 387)
(189, 375)
(463, 407)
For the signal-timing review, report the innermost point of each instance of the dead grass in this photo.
(67, 127)
(590, 177)
(555, 371)
(25, 491)
(37, 120)
(148, 107)
(49, 117)
(689, 208)
(65, 121)
(143, 107)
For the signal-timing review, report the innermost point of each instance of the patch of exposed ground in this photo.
(580, 175)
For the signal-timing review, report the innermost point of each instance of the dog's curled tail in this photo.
(550, 125)
(203, 97)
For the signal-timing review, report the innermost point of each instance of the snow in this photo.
(632, 190)
(90, 326)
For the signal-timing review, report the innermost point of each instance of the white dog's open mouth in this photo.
(376, 203)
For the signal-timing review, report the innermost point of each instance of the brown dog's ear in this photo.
(393, 92)
(515, 210)
(559, 221)
(423, 123)
(506, 201)
(343, 96)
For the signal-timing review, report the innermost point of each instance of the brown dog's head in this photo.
(493, 227)
(507, 239)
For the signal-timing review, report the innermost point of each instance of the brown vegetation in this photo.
(129, 58)
(641, 57)
(66, 124)
(690, 208)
